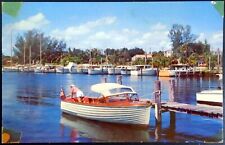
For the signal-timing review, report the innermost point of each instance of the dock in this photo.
(202, 110)
(173, 107)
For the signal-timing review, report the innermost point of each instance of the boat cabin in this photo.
(181, 67)
(110, 93)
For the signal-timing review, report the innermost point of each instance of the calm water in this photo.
(31, 105)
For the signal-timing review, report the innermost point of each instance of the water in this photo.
(31, 105)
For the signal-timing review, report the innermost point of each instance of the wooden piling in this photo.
(119, 79)
(104, 80)
(171, 90)
(157, 91)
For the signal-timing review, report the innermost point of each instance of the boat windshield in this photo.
(120, 90)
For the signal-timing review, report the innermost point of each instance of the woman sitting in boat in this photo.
(62, 94)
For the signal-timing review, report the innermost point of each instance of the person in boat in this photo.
(75, 92)
(62, 94)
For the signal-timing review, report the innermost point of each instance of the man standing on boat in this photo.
(75, 92)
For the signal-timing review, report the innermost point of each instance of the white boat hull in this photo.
(62, 70)
(211, 97)
(125, 72)
(95, 71)
(126, 115)
(114, 71)
(73, 70)
(143, 72)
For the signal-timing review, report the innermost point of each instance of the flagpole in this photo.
(24, 52)
(40, 50)
(11, 48)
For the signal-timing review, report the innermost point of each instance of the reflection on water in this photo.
(103, 131)
(33, 101)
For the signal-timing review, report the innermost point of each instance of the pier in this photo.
(173, 107)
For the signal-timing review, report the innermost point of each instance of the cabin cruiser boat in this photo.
(143, 70)
(182, 69)
(83, 68)
(39, 69)
(62, 69)
(72, 67)
(125, 70)
(167, 73)
(210, 97)
(117, 103)
(115, 70)
(95, 70)
(98, 70)
(220, 75)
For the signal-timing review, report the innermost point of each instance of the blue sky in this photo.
(116, 25)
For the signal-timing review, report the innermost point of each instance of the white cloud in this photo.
(95, 34)
(76, 31)
(215, 39)
(36, 21)
(33, 22)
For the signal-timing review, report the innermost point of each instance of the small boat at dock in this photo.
(210, 97)
(125, 70)
(117, 104)
(143, 70)
(167, 73)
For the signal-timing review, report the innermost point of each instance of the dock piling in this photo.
(104, 80)
(119, 79)
(157, 91)
(171, 90)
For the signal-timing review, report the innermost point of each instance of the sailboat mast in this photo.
(40, 50)
(11, 48)
(30, 56)
(24, 52)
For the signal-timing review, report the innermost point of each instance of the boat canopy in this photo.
(112, 89)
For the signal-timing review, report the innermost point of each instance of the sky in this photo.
(86, 25)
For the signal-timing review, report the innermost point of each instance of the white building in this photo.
(168, 53)
(141, 56)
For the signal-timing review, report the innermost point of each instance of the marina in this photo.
(143, 72)
(42, 102)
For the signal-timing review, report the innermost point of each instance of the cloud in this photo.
(33, 22)
(99, 34)
(215, 39)
(75, 31)
(36, 21)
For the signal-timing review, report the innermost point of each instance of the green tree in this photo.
(52, 49)
(180, 35)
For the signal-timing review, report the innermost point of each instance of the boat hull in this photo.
(143, 72)
(125, 72)
(210, 97)
(114, 71)
(95, 71)
(167, 73)
(125, 115)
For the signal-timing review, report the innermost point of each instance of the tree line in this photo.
(184, 46)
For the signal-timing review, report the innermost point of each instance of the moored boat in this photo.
(118, 104)
(210, 97)
(167, 73)
(220, 75)
(143, 70)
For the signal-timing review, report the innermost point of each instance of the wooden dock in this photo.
(173, 107)
(202, 110)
